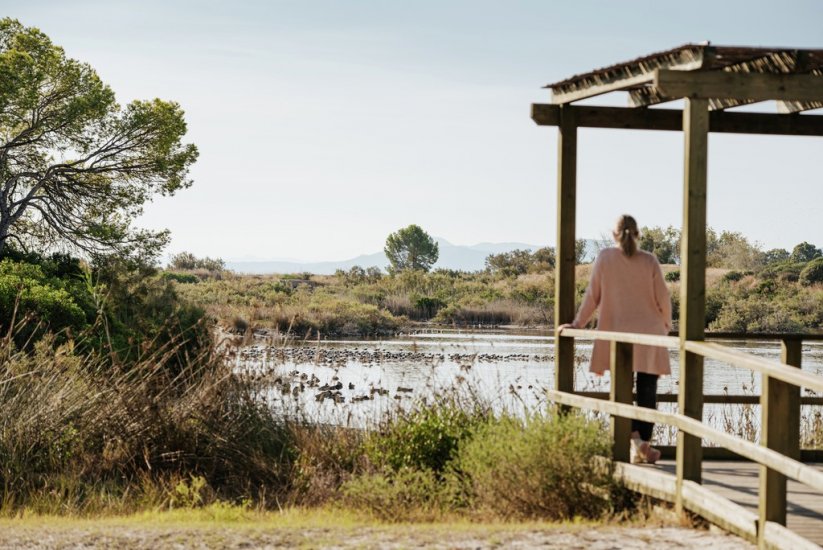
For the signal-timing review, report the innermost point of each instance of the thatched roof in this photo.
(632, 76)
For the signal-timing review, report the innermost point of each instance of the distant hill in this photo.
(464, 258)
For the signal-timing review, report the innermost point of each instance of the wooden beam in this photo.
(700, 500)
(742, 86)
(709, 398)
(649, 95)
(646, 96)
(720, 511)
(789, 107)
(791, 468)
(672, 120)
(799, 106)
(562, 97)
(780, 431)
(692, 286)
(564, 289)
(629, 75)
(670, 342)
(622, 379)
(774, 369)
(778, 61)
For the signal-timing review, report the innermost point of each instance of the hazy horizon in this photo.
(324, 126)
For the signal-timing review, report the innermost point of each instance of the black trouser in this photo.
(646, 388)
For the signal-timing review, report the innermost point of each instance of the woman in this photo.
(627, 286)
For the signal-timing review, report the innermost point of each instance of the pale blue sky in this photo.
(325, 125)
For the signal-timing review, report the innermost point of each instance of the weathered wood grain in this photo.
(564, 309)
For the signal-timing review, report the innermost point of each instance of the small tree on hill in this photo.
(805, 252)
(775, 255)
(411, 248)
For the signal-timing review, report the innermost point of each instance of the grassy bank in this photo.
(115, 403)
(355, 304)
(82, 438)
(774, 298)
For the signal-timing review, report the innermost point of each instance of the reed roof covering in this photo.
(632, 76)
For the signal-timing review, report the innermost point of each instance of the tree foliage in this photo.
(411, 248)
(518, 262)
(813, 272)
(732, 250)
(187, 261)
(663, 243)
(805, 252)
(775, 255)
(580, 250)
(76, 168)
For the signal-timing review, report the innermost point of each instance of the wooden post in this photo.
(780, 410)
(692, 287)
(564, 291)
(621, 392)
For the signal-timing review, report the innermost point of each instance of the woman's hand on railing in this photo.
(565, 325)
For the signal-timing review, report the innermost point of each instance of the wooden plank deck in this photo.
(738, 482)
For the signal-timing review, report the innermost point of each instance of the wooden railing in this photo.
(778, 452)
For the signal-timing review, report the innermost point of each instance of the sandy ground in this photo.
(91, 535)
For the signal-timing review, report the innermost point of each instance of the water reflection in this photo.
(365, 380)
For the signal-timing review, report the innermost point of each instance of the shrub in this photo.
(672, 276)
(429, 306)
(425, 439)
(404, 495)
(184, 278)
(733, 276)
(812, 273)
(546, 466)
(26, 292)
(788, 271)
(188, 261)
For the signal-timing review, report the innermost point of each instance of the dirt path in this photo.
(155, 537)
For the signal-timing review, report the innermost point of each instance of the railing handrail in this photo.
(657, 340)
(709, 398)
(809, 336)
(762, 455)
(775, 369)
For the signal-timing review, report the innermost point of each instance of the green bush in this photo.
(27, 292)
(184, 278)
(787, 271)
(424, 439)
(545, 466)
(733, 276)
(672, 276)
(812, 273)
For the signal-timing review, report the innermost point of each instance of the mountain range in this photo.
(452, 256)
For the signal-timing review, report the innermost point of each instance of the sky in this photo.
(323, 126)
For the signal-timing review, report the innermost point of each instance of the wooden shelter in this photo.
(710, 79)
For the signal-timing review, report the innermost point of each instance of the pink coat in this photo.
(632, 297)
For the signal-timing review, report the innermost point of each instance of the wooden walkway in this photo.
(738, 482)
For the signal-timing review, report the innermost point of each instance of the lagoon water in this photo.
(507, 369)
